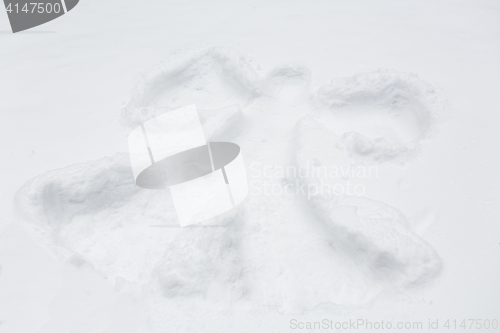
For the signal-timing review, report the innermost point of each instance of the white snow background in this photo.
(409, 87)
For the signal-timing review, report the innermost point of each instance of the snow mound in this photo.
(371, 232)
(381, 115)
(208, 78)
(94, 211)
(201, 262)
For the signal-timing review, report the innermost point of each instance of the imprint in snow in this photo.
(278, 252)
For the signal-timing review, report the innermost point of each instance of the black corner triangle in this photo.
(70, 4)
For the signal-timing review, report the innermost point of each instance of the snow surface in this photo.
(89, 251)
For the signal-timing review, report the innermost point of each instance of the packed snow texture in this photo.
(288, 251)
